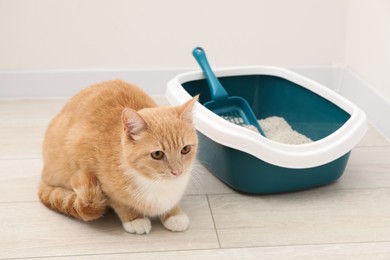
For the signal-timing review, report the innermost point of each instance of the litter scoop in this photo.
(233, 109)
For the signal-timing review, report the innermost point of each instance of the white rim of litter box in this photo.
(308, 155)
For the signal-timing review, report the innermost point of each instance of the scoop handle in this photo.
(217, 90)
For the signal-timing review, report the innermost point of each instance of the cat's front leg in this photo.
(175, 220)
(132, 221)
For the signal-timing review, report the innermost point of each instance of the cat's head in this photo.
(159, 142)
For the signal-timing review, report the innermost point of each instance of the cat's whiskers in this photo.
(196, 181)
(143, 193)
(150, 191)
(145, 188)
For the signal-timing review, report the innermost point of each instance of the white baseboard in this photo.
(364, 95)
(51, 84)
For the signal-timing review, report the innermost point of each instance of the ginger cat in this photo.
(111, 146)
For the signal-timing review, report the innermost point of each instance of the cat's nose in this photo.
(176, 172)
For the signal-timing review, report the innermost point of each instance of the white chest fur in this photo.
(159, 196)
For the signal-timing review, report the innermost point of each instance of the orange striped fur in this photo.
(103, 150)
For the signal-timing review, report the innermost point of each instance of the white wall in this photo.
(367, 49)
(90, 34)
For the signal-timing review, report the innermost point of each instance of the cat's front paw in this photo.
(138, 226)
(178, 222)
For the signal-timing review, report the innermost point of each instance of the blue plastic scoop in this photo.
(233, 109)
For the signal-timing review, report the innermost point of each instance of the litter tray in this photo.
(251, 163)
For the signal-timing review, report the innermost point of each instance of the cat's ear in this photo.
(185, 110)
(133, 123)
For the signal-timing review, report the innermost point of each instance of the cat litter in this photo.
(277, 129)
(292, 110)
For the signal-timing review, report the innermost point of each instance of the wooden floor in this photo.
(349, 219)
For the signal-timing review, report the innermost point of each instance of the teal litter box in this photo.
(251, 163)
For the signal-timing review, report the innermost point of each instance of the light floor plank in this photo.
(19, 180)
(358, 251)
(310, 217)
(368, 167)
(373, 138)
(23, 124)
(31, 230)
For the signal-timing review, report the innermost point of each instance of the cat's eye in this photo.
(157, 155)
(186, 149)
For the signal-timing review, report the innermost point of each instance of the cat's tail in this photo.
(86, 201)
